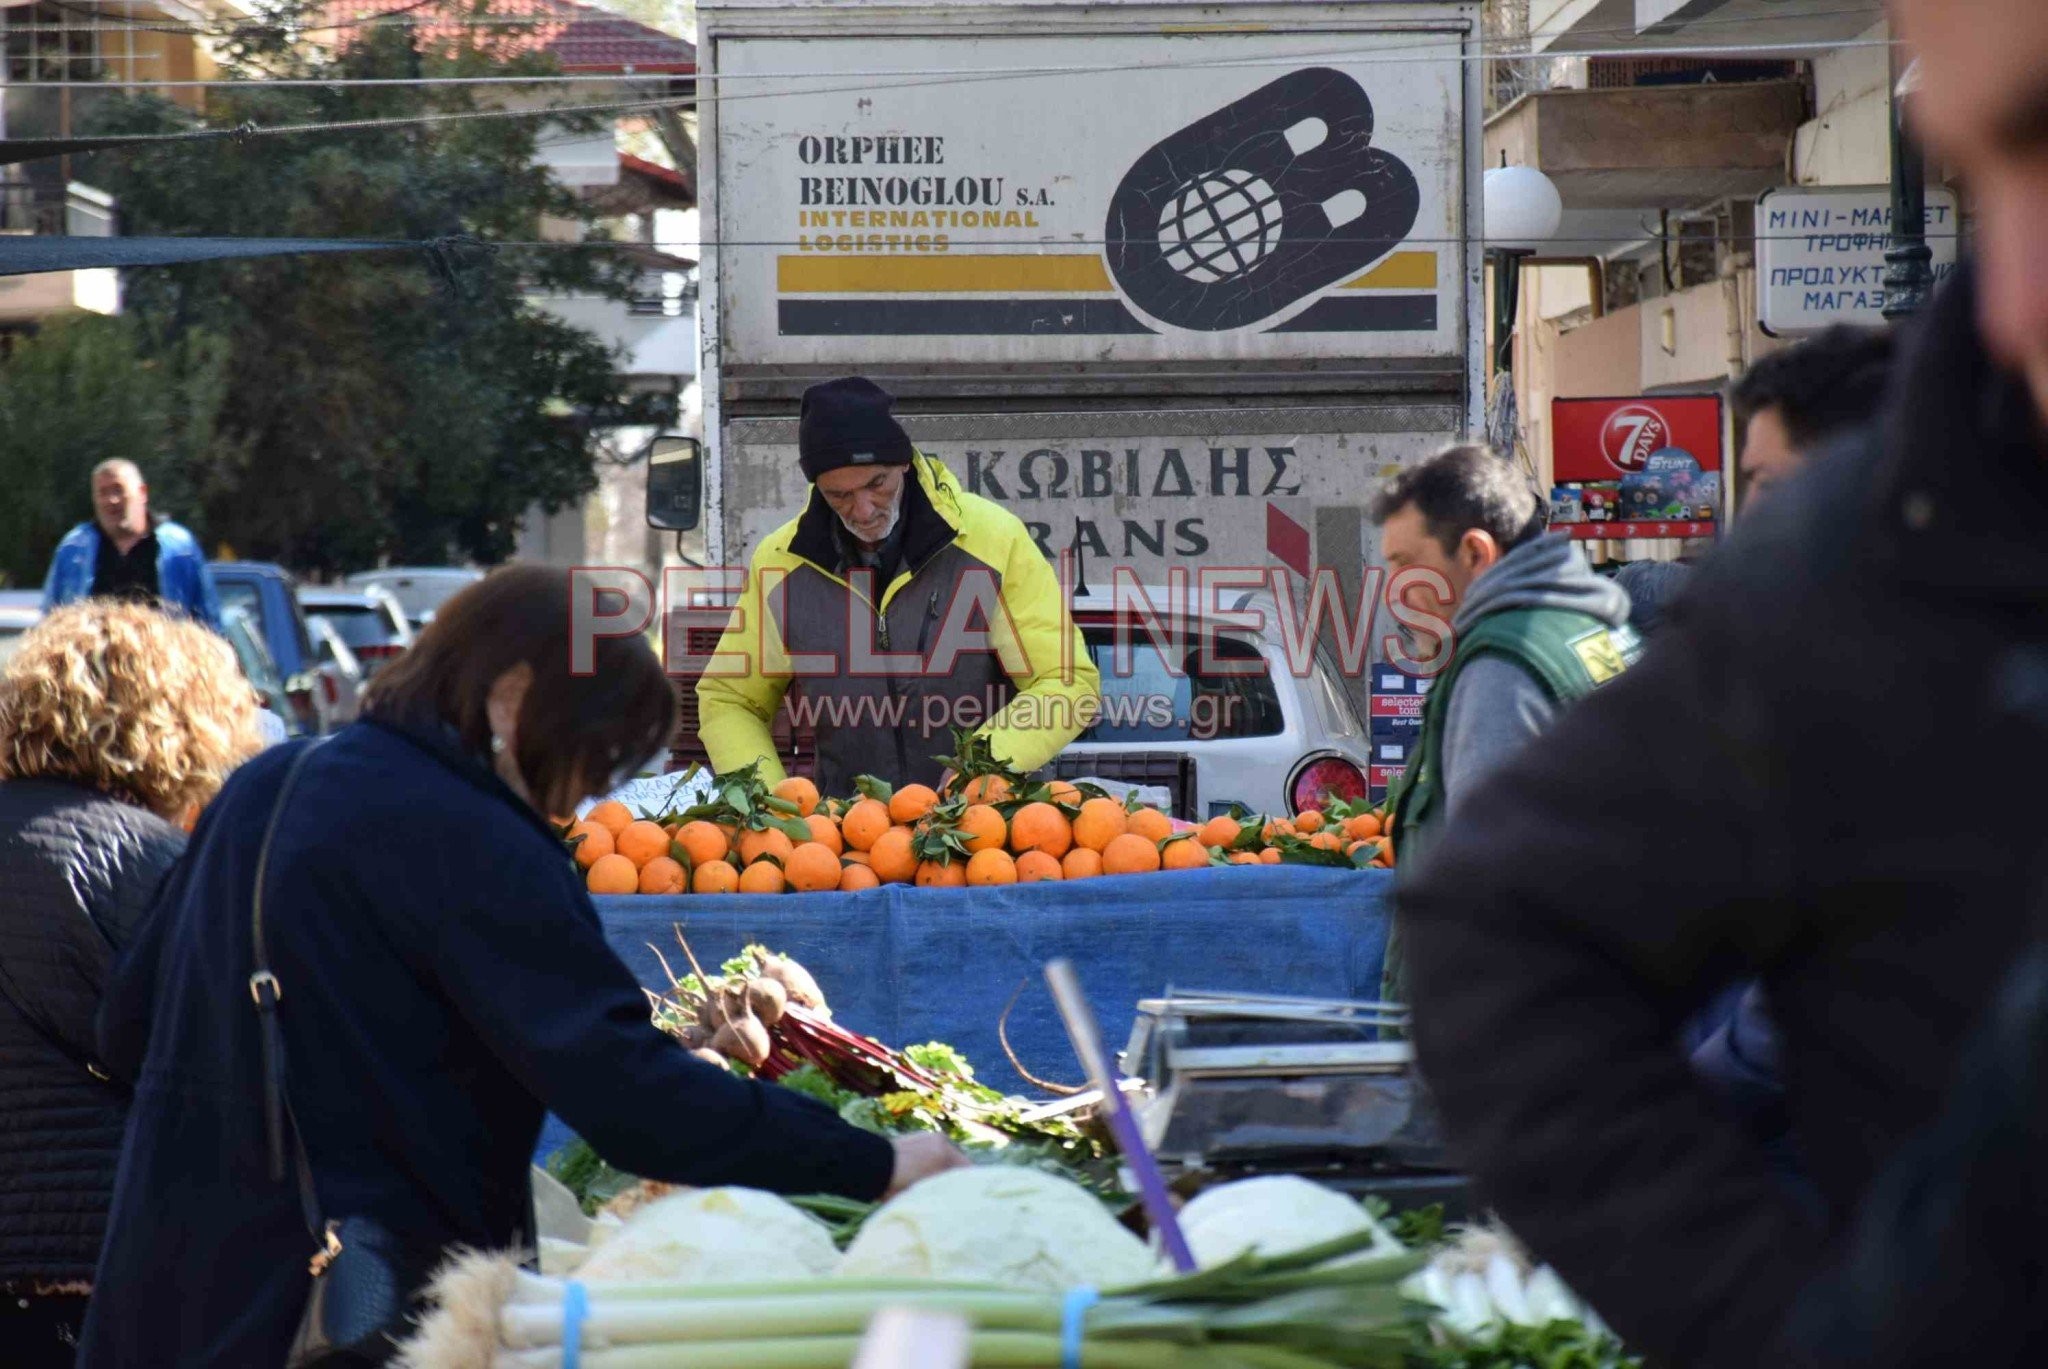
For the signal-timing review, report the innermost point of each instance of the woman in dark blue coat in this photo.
(444, 982)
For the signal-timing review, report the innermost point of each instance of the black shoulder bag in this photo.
(365, 1278)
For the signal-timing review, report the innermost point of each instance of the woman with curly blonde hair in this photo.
(117, 724)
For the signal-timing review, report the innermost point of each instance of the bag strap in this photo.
(266, 991)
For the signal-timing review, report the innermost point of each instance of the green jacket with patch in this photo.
(971, 630)
(1568, 652)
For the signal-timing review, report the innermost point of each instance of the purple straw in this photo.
(1086, 1035)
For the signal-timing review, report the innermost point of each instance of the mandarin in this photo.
(891, 856)
(983, 827)
(703, 842)
(764, 841)
(1130, 854)
(1363, 826)
(663, 875)
(1186, 854)
(1041, 827)
(801, 792)
(596, 843)
(1083, 862)
(857, 876)
(1100, 822)
(864, 822)
(1150, 823)
(825, 832)
(613, 874)
(641, 842)
(932, 874)
(1034, 866)
(610, 815)
(714, 877)
(992, 866)
(986, 789)
(1220, 830)
(763, 877)
(812, 868)
(912, 802)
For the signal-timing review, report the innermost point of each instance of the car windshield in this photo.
(242, 594)
(236, 592)
(359, 624)
(254, 657)
(1144, 700)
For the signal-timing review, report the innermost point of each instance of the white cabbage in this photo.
(1019, 1227)
(1275, 1214)
(714, 1235)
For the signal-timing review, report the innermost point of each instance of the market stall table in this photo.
(906, 965)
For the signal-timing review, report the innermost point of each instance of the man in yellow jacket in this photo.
(894, 609)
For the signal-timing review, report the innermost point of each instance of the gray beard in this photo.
(895, 517)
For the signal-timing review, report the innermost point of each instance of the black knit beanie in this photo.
(847, 423)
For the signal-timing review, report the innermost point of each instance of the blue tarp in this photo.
(907, 965)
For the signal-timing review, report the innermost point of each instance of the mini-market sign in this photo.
(1820, 254)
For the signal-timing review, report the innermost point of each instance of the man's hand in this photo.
(921, 1155)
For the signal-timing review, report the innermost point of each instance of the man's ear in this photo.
(1477, 551)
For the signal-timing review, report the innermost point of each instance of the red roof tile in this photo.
(583, 38)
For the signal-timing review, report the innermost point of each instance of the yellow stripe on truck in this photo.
(1008, 274)
(1401, 271)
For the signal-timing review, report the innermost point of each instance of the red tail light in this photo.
(1331, 777)
(330, 689)
(387, 651)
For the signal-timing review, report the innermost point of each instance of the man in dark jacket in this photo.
(1533, 629)
(1733, 806)
(124, 552)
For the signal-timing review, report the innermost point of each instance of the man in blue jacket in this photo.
(126, 554)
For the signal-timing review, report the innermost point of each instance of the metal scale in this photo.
(1243, 1084)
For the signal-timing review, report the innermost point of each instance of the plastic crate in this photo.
(1172, 770)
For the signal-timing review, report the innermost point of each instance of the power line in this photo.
(965, 75)
(119, 141)
(598, 15)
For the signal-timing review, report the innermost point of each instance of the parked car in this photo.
(369, 618)
(1256, 727)
(419, 589)
(1245, 726)
(20, 610)
(269, 594)
(341, 676)
(239, 626)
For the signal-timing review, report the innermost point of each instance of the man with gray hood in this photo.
(1532, 629)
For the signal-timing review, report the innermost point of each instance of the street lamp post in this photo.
(1523, 210)
(1908, 261)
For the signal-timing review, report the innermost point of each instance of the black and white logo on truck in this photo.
(1266, 203)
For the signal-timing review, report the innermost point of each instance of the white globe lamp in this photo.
(1522, 208)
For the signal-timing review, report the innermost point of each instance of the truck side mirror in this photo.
(675, 482)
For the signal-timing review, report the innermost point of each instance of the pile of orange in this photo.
(866, 842)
